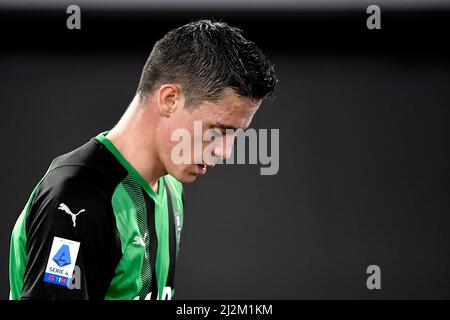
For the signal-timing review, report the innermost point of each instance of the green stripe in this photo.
(17, 250)
(162, 232)
(127, 282)
(137, 196)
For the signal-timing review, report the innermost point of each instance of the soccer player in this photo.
(105, 220)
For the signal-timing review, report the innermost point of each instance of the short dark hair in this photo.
(206, 57)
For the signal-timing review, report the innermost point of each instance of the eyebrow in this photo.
(228, 126)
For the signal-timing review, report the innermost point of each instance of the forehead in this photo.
(230, 107)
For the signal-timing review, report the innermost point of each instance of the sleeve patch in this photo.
(61, 261)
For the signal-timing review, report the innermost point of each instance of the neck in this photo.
(134, 136)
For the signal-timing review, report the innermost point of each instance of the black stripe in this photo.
(150, 207)
(172, 235)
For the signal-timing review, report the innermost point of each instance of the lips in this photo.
(200, 169)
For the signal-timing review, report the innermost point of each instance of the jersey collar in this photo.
(131, 170)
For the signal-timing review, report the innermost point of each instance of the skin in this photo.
(143, 134)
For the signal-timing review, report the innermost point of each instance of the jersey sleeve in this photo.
(71, 242)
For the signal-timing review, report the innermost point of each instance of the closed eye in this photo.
(220, 131)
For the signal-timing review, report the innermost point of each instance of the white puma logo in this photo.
(65, 208)
(141, 242)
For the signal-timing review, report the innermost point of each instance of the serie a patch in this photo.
(61, 261)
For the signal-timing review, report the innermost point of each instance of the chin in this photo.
(184, 176)
(187, 177)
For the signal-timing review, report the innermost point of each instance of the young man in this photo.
(105, 220)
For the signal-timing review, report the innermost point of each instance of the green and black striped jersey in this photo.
(93, 228)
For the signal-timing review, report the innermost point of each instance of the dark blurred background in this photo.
(364, 140)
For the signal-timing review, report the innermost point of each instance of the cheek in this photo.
(164, 144)
(163, 138)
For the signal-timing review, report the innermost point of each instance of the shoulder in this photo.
(72, 198)
(91, 164)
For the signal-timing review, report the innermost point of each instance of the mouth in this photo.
(200, 169)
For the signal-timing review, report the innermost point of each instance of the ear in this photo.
(170, 97)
